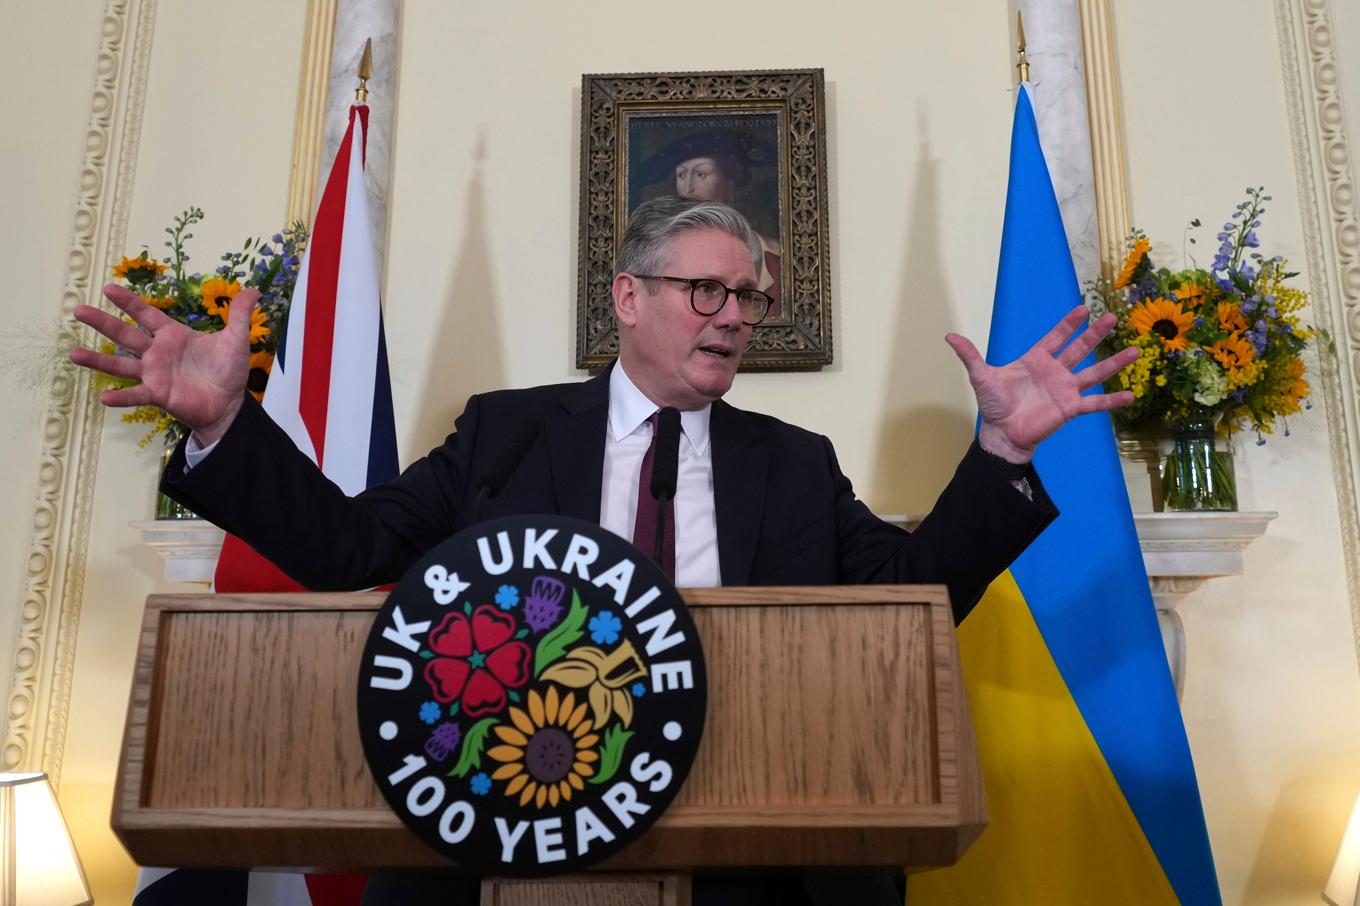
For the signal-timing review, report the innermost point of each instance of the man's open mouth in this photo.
(721, 352)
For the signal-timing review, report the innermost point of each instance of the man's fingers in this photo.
(1055, 338)
(238, 319)
(117, 365)
(128, 396)
(1105, 368)
(1104, 402)
(966, 351)
(116, 329)
(132, 303)
(1084, 342)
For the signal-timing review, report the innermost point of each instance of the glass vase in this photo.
(1197, 475)
(167, 507)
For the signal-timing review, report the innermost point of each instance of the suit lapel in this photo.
(740, 461)
(575, 435)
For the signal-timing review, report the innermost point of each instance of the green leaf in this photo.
(611, 753)
(565, 634)
(453, 710)
(426, 654)
(473, 743)
(515, 696)
(521, 634)
(467, 608)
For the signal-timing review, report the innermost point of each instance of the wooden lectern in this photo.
(837, 735)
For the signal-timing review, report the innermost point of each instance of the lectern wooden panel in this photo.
(837, 734)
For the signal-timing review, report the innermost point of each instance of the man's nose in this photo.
(729, 316)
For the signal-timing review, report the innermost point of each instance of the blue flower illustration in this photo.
(507, 596)
(430, 712)
(481, 784)
(639, 690)
(604, 628)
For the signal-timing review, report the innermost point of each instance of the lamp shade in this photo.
(1340, 889)
(38, 862)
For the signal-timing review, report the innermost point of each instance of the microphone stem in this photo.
(662, 503)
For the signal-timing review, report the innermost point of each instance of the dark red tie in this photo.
(644, 527)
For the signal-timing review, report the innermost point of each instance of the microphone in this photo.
(511, 454)
(665, 469)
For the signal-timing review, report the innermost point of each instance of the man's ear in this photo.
(626, 290)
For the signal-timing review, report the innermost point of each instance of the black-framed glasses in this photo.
(707, 297)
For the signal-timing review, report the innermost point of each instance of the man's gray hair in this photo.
(656, 223)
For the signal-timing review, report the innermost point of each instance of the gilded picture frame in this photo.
(756, 140)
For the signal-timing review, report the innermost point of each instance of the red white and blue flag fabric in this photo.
(329, 388)
(330, 391)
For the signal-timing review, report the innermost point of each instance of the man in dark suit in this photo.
(759, 501)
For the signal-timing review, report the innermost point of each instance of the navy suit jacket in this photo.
(785, 513)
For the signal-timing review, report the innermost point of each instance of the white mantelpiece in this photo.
(1180, 551)
(188, 546)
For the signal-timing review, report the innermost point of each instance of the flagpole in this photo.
(366, 72)
(1023, 66)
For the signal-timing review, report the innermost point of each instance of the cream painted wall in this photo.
(218, 133)
(1271, 696)
(481, 281)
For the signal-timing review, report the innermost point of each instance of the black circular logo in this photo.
(531, 696)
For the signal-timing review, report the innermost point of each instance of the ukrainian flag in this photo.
(1091, 791)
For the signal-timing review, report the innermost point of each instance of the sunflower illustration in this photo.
(1165, 318)
(548, 752)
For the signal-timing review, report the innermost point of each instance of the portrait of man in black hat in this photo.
(728, 158)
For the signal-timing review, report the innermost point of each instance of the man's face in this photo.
(701, 178)
(676, 356)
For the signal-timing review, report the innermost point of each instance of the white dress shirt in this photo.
(626, 441)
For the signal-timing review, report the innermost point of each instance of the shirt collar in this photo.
(629, 407)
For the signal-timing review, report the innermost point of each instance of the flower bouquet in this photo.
(204, 303)
(1220, 351)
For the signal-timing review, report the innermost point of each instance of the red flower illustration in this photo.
(478, 659)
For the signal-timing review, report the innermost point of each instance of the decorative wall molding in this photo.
(1107, 131)
(54, 583)
(313, 88)
(1330, 219)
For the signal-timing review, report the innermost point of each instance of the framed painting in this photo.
(754, 140)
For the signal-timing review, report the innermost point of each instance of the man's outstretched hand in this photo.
(1024, 402)
(199, 378)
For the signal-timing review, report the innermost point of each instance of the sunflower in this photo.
(1165, 318)
(217, 296)
(1230, 317)
(158, 301)
(1191, 294)
(1136, 256)
(1232, 351)
(548, 752)
(138, 270)
(260, 365)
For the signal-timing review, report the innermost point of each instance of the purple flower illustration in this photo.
(543, 607)
(444, 741)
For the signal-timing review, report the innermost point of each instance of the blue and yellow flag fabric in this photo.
(1091, 792)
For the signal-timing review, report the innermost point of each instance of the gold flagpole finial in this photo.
(365, 73)
(1023, 66)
